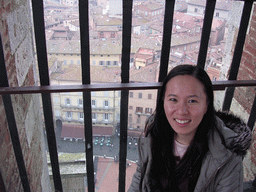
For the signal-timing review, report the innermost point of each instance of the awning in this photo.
(77, 131)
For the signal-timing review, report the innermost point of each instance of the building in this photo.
(68, 107)
(222, 8)
(150, 11)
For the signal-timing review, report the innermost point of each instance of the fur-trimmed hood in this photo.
(241, 142)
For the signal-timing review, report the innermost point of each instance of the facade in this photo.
(68, 107)
(197, 7)
(150, 11)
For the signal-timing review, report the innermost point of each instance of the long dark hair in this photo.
(164, 168)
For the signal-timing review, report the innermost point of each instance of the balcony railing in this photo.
(45, 89)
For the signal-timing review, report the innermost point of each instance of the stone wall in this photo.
(16, 33)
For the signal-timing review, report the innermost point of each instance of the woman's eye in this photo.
(192, 101)
(173, 99)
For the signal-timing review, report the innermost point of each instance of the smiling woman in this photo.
(186, 146)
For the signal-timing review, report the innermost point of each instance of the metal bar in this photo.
(125, 69)
(252, 117)
(38, 17)
(167, 34)
(85, 62)
(12, 123)
(217, 85)
(206, 32)
(123, 139)
(126, 40)
(238, 53)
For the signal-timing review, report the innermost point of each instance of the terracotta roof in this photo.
(107, 28)
(148, 73)
(99, 74)
(154, 6)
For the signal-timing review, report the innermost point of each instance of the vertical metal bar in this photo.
(238, 53)
(206, 32)
(38, 16)
(167, 34)
(85, 62)
(126, 49)
(252, 117)
(126, 40)
(12, 123)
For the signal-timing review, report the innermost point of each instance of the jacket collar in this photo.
(236, 134)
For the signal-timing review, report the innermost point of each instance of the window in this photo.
(78, 62)
(80, 102)
(217, 14)
(67, 101)
(57, 112)
(138, 119)
(113, 35)
(131, 94)
(56, 99)
(106, 117)
(94, 62)
(71, 62)
(81, 116)
(148, 110)
(94, 116)
(149, 96)
(195, 10)
(101, 34)
(101, 62)
(130, 118)
(130, 107)
(106, 104)
(93, 103)
(108, 63)
(106, 94)
(139, 109)
(115, 62)
(93, 93)
(69, 115)
(140, 96)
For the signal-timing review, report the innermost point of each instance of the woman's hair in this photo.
(163, 164)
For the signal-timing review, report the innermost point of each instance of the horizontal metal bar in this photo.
(217, 85)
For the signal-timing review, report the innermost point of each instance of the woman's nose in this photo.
(182, 108)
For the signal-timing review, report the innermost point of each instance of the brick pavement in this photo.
(108, 172)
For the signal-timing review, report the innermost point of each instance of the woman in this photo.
(186, 146)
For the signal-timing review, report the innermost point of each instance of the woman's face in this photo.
(185, 104)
